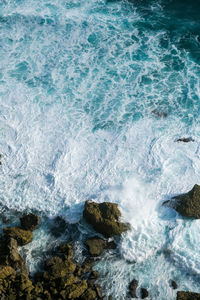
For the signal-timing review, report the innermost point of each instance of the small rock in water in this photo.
(173, 284)
(185, 140)
(133, 287)
(188, 204)
(144, 293)
(159, 114)
(30, 222)
(95, 246)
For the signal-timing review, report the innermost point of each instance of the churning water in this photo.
(93, 95)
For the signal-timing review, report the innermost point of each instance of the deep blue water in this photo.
(93, 95)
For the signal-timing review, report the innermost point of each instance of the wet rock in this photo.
(95, 246)
(22, 237)
(144, 293)
(89, 294)
(133, 287)
(94, 275)
(74, 290)
(187, 296)
(58, 227)
(173, 284)
(159, 114)
(66, 249)
(98, 290)
(185, 140)
(30, 222)
(188, 205)
(6, 271)
(105, 218)
(23, 285)
(87, 265)
(57, 268)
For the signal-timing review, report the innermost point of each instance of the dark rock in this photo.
(133, 287)
(98, 290)
(74, 290)
(105, 218)
(57, 268)
(94, 275)
(159, 114)
(187, 296)
(188, 205)
(185, 140)
(59, 226)
(95, 246)
(66, 249)
(173, 284)
(144, 293)
(89, 294)
(110, 298)
(87, 265)
(22, 237)
(29, 222)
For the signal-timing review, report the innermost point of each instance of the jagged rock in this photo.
(187, 296)
(57, 268)
(22, 237)
(23, 285)
(144, 293)
(89, 294)
(87, 265)
(6, 271)
(173, 284)
(95, 246)
(58, 227)
(188, 205)
(94, 275)
(74, 290)
(133, 287)
(66, 249)
(29, 222)
(185, 140)
(105, 218)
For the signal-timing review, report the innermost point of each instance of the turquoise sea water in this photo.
(81, 86)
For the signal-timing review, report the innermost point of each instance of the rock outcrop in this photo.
(22, 237)
(105, 218)
(188, 205)
(30, 222)
(187, 296)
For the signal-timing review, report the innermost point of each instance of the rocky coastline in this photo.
(61, 276)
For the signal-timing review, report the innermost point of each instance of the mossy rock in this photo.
(30, 222)
(75, 290)
(187, 296)
(188, 205)
(57, 268)
(95, 246)
(105, 218)
(6, 271)
(66, 249)
(89, 294)
(22, 237)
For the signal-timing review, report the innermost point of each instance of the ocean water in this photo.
(93, 95)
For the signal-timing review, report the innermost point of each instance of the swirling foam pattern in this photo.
(79, 81)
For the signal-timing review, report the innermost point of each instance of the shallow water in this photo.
(81, 86)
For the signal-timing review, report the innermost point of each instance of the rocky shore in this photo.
(61, 276)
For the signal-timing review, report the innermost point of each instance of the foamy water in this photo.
(78, 84)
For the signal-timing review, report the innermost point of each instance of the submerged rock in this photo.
(188, 205)
(22, 237)
(132, 288)
(159, 114)
(187, 296)
(144, 293)
(105, 218)
(29, 222)
(173, 284)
